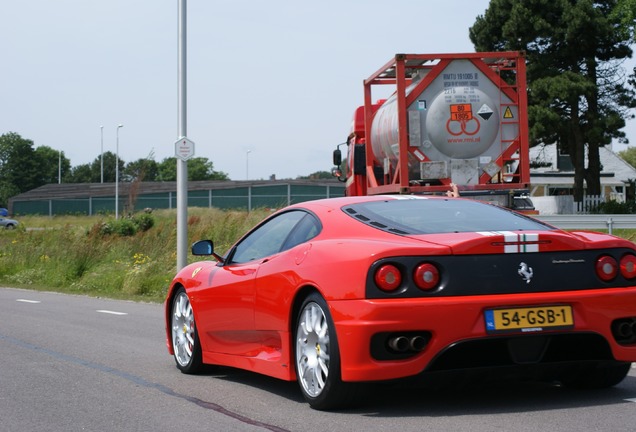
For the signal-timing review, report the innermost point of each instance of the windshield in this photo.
(428, 216)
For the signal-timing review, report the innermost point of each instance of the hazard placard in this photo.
(485, 112)
(508, 113)
(461, 112)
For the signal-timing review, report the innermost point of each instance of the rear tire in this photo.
(601, 376)
(317, 357)
(185, 339)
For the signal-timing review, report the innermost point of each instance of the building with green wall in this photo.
(99, 198)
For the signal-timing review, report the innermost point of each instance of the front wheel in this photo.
(317, 358)
(185, 340)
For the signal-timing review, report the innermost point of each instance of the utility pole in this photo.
(182, 165)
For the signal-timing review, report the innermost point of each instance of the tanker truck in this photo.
(449, 119)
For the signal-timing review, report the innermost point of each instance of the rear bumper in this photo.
(451, 321)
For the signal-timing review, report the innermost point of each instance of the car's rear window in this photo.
(428, 216)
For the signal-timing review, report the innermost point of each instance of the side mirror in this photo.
(205, 248)
(337, 157)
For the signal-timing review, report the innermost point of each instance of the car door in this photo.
(226, 309)
(277, 278)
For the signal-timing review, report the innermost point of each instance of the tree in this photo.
(20, 168)
(625, 12)
(629, 156)
(577, 96)
(52, 163)
(92, 172)
(80, 174)
(199, 168)
(141, 170)
(110, 159)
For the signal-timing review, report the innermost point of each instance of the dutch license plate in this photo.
(529, 319)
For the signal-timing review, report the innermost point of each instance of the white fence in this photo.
(589, 204)
(565, 204)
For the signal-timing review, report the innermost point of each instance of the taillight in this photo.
(426, 276)
(606, 268)
(628, 266)
(388, 277)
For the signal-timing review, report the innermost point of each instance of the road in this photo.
(76, 363)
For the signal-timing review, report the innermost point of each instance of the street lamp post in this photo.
(247, 164)
(117, 174)
(182, 131)
(102, 156)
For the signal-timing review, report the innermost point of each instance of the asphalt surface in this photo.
(74, 363)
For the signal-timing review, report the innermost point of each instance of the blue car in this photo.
(4, 212)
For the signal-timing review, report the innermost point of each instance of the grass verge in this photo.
(75, 254)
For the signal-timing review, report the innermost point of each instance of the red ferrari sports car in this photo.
(337, 292)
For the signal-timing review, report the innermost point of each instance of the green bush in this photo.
(144, 222)
(104, 228)
(615, 207)
(126, 227)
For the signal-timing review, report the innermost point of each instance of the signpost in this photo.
(182, 143)
(184, 148)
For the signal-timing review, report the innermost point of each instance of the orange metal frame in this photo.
(395, 73)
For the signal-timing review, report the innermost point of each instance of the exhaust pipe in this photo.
(417, 343)
(625, 330)
(399, 343)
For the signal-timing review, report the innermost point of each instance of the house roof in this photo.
(615, 171)
(86, 190)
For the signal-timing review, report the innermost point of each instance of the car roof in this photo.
(339, 202)
(410, 215)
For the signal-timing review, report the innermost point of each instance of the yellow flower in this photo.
(140, 259)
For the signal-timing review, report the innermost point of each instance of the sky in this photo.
(271, 85)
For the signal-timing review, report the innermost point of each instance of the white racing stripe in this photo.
(515, 242)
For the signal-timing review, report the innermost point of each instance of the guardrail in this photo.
(589, 221)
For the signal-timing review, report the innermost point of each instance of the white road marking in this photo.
(111, 312)
(28, 301)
